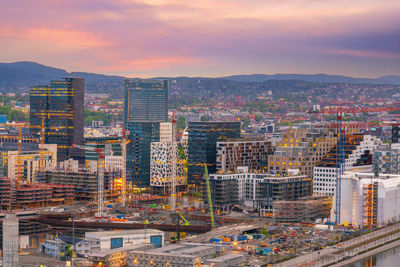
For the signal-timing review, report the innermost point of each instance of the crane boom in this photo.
(210, 207)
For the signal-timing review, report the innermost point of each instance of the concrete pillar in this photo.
(10, 240)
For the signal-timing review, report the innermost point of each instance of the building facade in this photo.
(145, 106)
(396, 134)
(367, 200)
(301, 148)
(59, 108)
(358, 152)
(387, 159)
(257, 190)
(242, 152)
(138, 151)
(202, 146)
(145, 100)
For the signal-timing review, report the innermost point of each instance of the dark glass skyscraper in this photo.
(145, 100)
(141, 134)
(61, 107)
(396, 134)
(202, 145)
(145, 106)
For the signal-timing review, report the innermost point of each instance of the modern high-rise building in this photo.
(202, 145)
(396, 134)
(141, 135)
(145, 100)
(59, 106)
(145, 106)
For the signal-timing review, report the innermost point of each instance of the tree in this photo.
(181, 123)
(205, 118)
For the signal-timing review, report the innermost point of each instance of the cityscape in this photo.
(164, 157)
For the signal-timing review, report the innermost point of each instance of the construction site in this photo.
(262, 217)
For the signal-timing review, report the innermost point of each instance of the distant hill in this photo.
(321, 78)
(20, 76)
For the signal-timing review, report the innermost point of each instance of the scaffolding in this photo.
(304, 210)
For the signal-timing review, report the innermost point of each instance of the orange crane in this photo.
(20, 138)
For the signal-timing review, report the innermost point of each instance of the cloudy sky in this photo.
(145, 38)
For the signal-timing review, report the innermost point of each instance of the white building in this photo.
(161, 160)
(367, 201)
(324, 175)
(113, 163)
(106, 240)
(161, 168)
(166, 132)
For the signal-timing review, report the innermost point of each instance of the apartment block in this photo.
(387, 159)
(256, 189)
(358, 149)
(252, 153)
(301, 148)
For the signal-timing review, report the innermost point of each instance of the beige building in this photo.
(301, 149)
(30, 162)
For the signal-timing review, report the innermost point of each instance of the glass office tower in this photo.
(202, 145)
(145, 106)
(60, 105)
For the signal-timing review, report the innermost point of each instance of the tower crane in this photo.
(340, 145)
(100, 175)
(20, 138)
(123, 171)
(174, 162)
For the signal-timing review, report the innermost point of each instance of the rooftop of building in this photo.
(370, 176)
(121, 233)
(225, 258)
(122, 249)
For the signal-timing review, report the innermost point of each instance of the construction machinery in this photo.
(100, 175)
(183, 218)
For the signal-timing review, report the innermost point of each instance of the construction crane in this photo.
(20, 138)
(340, 144)
(123, 171)
(174, 162)
(100, 175)
(210, 207)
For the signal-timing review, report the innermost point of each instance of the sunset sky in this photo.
(147, 38)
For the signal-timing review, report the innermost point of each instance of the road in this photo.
(349, 248)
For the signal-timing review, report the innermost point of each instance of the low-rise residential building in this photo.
(255, 189)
